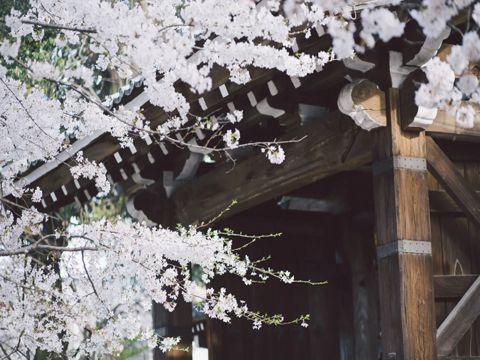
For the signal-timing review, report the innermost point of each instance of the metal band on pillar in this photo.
(399, 162)
(404, 247)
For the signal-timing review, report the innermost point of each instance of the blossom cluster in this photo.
(452, 84)
(182, 41)
(91, 170)
(90, 292)
(172, 41)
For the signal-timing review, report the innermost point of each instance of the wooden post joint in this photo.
(404, 247)
(399, 163)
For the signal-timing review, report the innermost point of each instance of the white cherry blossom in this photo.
(101, 275)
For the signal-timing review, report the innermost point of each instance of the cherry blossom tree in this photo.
(76, 290)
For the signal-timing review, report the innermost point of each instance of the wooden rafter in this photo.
(101, 147)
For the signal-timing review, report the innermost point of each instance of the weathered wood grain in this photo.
(447, 126)
(402, 213)
(332, 144)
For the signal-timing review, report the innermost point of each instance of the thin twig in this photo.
(59, 27)
(91, 282)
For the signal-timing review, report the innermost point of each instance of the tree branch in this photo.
(28, 249)
(59, 27)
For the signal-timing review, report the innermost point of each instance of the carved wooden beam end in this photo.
(364, 102)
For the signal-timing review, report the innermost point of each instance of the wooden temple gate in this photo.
(379, 198)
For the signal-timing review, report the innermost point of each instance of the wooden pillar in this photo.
(403, 240)
(179, 322)
(357, 245)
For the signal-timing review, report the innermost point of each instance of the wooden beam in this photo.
(402, 220)
(365, 104)
(434, 121)
(452, 181)
(452, 286)
(445, 125)
(333, 144)
(459, 320)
